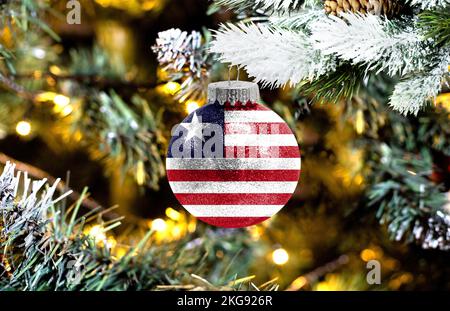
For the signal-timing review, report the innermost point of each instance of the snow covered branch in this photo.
(263, 5)
(373, 41)
(411, 94)
(298, 20)
(272, 55)
(429, 4)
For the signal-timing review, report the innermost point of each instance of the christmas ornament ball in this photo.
(233, 162)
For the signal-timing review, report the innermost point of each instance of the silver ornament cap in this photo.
(232, 92)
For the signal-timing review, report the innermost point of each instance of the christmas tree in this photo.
(88, 99)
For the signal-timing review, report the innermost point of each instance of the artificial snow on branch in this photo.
(409, 203)
(176, 49)
(410, 94)
(46, 246)
(263, 5)
(429, 4)
(299, 20)
(24, 213)
(373, 41)
(184, 57)
(274, 56)
(306, 47)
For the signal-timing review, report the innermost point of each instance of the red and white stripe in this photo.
(254, 181)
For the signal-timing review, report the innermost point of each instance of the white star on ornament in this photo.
(195, 128)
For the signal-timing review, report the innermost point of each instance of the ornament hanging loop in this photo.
(230, 67)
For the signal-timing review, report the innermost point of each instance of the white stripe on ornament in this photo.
(233, 164)
(265, 140)
(251, 116)
(233, 187)
(233, 210)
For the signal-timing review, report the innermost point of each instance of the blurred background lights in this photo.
(171, 88)
(159, 225)
(191, 106)
(66, 111)
(96, 232)
(39, 53)
(173, 214)
(280, 256)
(23, 128)
(61, 100)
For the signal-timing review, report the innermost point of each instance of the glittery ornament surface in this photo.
(233, 165)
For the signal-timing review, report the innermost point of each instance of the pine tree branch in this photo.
(301, 20)
(124, 134)
(184, 58)
(11, 85)
(375, 42)
(274, 56)
(341, 84)
(436, 25)
(412, 93)
(37, 173)
(261, 5)
(429, 4)
(408, 202)
(46, 247)
(313, 276)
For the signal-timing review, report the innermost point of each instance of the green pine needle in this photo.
(436, 25)
(341, 84)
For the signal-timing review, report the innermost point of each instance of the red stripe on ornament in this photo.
(238, 106)
(232, 222)
(257, 128)
(233, 198)
(233, 175)
(262, 152)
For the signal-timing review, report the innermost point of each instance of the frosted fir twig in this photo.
(299, 20)
(376, 42)
(411, 205)
(411, 94)
(434, 232)
(183, 56)
(37, 173)
(262, 5)
(176, 49)
(24, 212)
(44, 247)
(9, 190)
(271, 55)
(429, 4)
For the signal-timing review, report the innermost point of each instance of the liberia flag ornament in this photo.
(233, 162)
